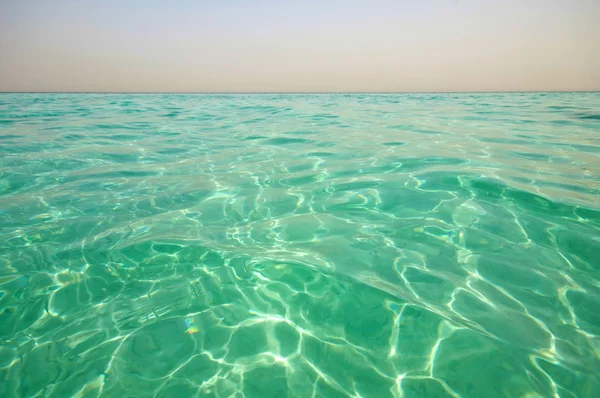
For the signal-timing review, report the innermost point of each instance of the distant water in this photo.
(426, 245)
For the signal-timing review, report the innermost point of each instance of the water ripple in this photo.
(299, 245)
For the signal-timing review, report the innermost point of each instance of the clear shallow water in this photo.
(300, 245)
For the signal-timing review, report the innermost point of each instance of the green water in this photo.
(431, 245)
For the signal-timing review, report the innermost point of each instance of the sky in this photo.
(299, 46)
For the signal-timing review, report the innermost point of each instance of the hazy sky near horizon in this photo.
(240, 46)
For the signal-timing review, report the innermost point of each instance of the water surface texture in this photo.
(344, 245)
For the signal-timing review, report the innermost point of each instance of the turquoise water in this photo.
(415, 245)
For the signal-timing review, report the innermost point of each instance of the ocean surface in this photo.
(308, 245)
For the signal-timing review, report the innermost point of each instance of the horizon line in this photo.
(302, 92)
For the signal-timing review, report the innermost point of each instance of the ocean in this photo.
(300, 245)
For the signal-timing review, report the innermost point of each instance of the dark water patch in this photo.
(499, 192)
(589, 215)
(54, 128)
(255, 120)
(581, 245)
(562, 122)
(528, 137)
(537, 204)
(298, 167)
(485, 188)
(425, 131)
(287, 141)
(590, 117)
(226, 146)
(167, 133)
(173, 151)
(443, 160)
(254, 137)
(394, 143)
(569, 187)
(258, 108)
(301, 132)
(474, 118)
(74, 137)
(20, 149)
(9, 137)
(123, 137)
(115, 157)
(562, 107)
(321, 154)
(106, 126)
(43, 115)
(325, 144)
(121, 126)
(402, 127)
(13, 182)
(442, 181)
(324, 116)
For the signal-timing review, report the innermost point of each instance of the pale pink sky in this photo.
(241, 46)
